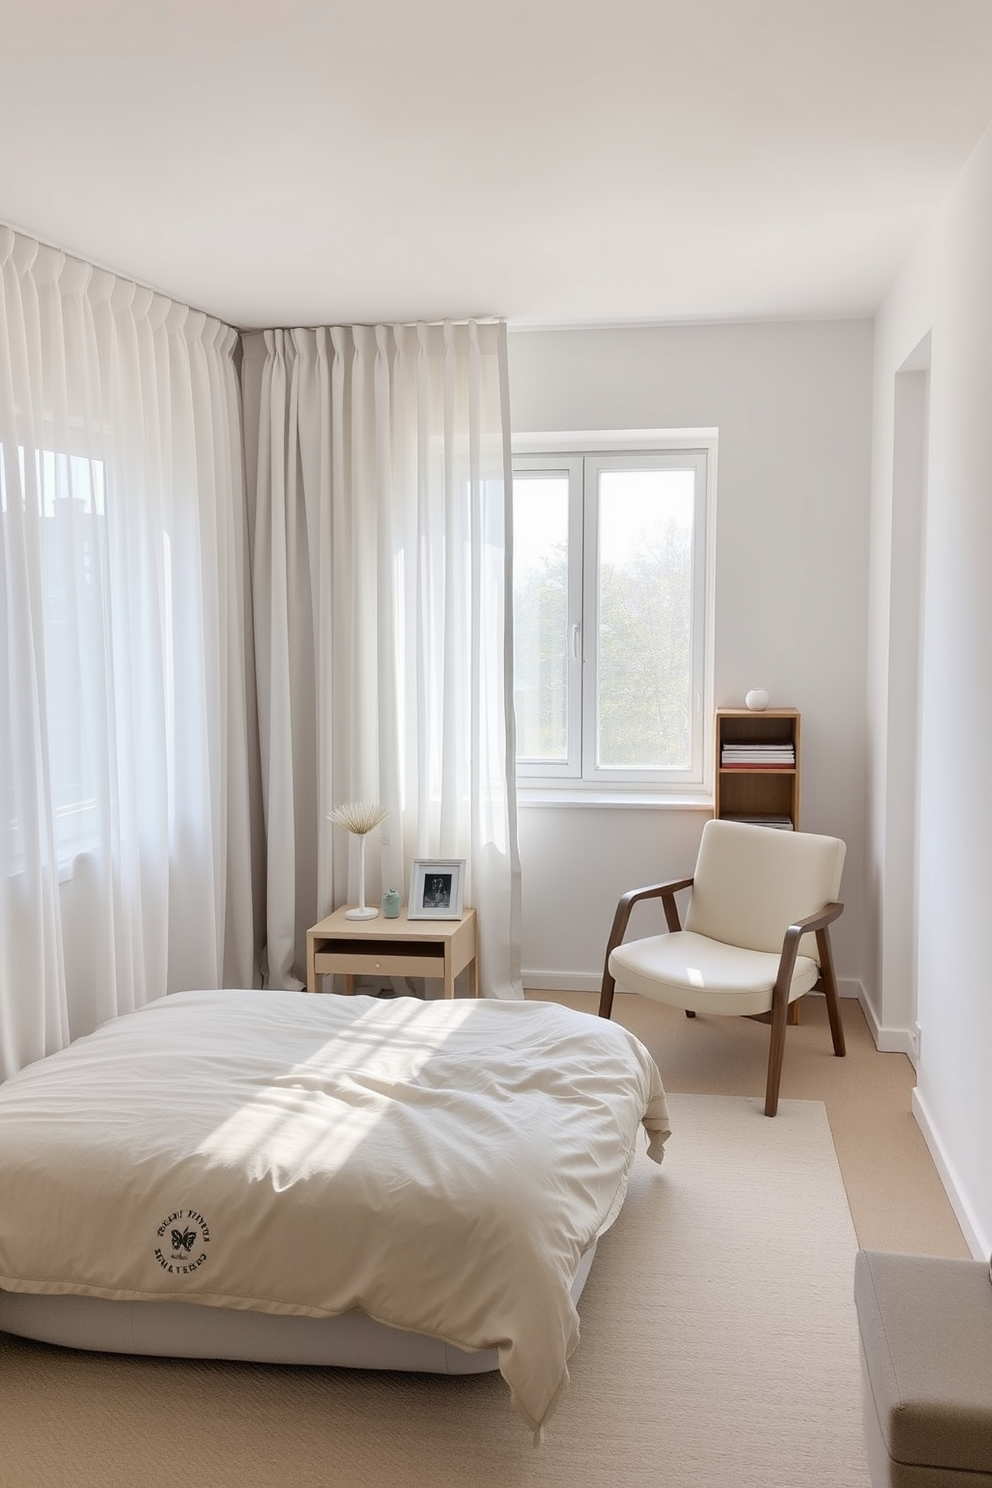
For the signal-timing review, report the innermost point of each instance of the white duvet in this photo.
(441, 1165)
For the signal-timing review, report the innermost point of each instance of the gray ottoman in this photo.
(926, 1357)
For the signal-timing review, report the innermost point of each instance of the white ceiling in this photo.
(300, 162)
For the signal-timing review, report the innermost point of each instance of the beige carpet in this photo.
(718, 1350)
(896, 1197)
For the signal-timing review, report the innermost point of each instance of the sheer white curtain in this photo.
(124, 746)
(377, 457)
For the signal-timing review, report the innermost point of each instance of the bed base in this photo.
(187, 1330)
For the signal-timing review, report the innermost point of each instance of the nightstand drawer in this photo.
(390, 958)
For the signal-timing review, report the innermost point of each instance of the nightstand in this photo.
(387, 948)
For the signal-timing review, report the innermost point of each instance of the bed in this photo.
(268, 1175)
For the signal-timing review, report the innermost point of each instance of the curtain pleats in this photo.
(125, 663)
(381, 608)
(194, 678)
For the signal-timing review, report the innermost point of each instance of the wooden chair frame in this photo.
(777, 1016)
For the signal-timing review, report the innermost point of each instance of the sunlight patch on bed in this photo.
(319, 1107)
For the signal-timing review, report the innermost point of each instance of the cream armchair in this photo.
(755, 938)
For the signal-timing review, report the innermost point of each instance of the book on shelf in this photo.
(769, 749)
(774, 756)
(781, 823)
(756, 765)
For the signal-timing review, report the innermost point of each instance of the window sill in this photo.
(616, 799)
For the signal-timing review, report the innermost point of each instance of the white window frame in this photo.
(581, 455)
(570, 466)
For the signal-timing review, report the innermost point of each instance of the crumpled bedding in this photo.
(441, 1165)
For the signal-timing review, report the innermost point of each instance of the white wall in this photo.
(792, 404)
(942, 300)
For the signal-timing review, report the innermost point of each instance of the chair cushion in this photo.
(706, 976)
(752, 882)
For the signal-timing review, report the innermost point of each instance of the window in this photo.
(611, 556)
(70, 495)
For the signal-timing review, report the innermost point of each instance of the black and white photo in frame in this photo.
(436, 889)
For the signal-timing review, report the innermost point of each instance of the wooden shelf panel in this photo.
(757, 769)
(757, 791)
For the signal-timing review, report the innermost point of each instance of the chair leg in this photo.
(606, 995)
(776, 1052)
(829, 980)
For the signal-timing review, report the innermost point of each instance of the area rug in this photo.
(718, 1350)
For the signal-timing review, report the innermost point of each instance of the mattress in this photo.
(439, 1169)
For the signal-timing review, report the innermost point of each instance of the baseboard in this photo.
(979, 1245)
(887, 1040)
(562, 981)
(592, 981)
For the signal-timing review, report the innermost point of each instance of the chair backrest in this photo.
(752, 882)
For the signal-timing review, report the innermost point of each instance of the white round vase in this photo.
(757, 699)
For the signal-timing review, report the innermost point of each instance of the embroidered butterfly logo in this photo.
(183, 1239)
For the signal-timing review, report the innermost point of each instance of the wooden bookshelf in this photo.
(765, 791)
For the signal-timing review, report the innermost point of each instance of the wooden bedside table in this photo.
(400, 947)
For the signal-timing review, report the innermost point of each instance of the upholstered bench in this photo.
(926, 1356)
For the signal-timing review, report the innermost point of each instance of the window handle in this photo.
(575, 642)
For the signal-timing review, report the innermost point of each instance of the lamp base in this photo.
(361, 914)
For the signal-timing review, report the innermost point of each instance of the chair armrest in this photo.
(818, 921)
(810, 924)
(790, 944)
(666, 893)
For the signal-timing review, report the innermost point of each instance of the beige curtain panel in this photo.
(124, 741)
(377, 465)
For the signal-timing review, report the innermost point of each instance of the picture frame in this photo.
(436, 889)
